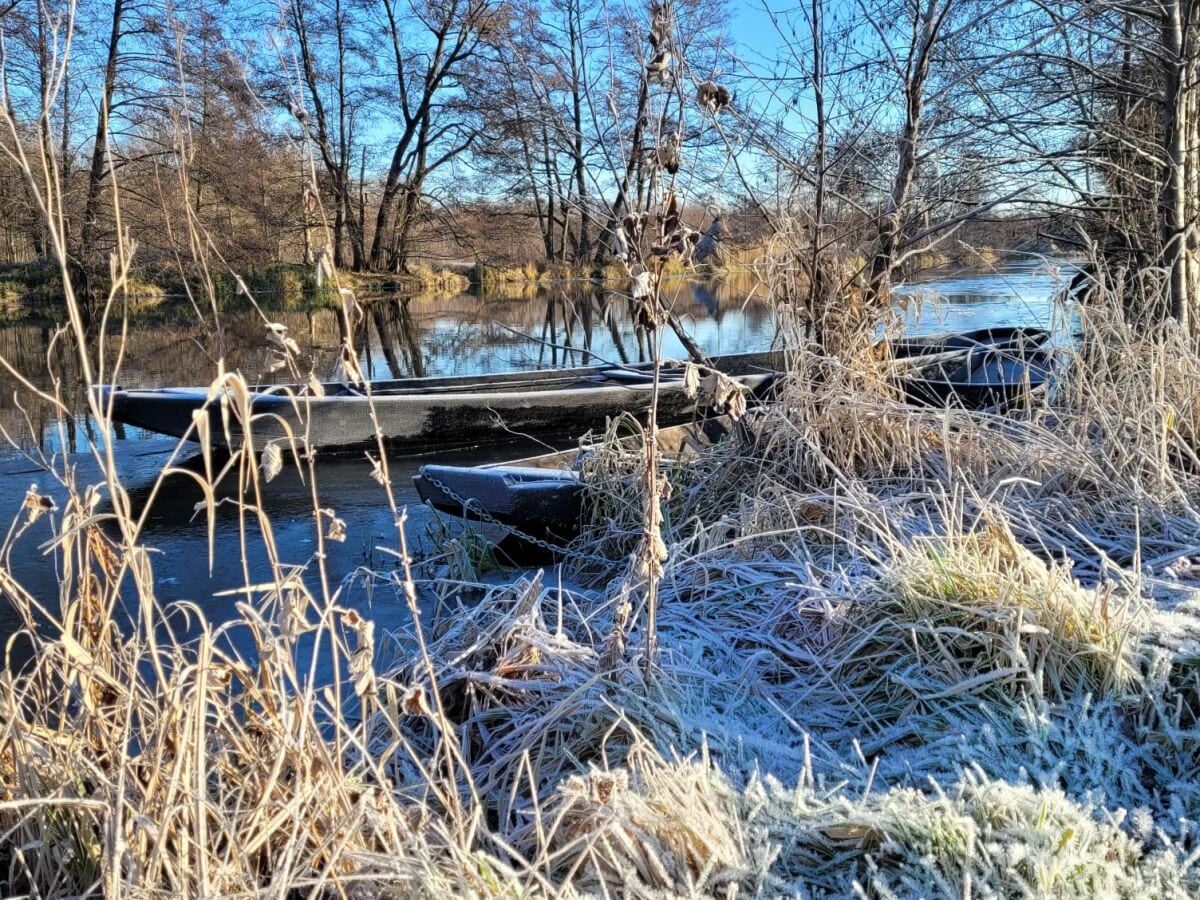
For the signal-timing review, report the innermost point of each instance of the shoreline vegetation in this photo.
(857, 649)
(35, 289)
(903, 652)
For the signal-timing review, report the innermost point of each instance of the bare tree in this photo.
(434, 130)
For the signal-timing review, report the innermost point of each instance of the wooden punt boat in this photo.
(984, 378)
(440, 412)
(542, 496)
(459, 411)
(1016, 338)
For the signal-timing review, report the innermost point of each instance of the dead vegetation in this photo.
(858, 649)
(891, 656)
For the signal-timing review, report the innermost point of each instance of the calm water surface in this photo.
(400, 337)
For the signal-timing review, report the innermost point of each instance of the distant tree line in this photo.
(379, 134)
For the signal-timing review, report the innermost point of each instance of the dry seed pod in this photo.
(670, 219)
(38, 504)
(687, 244)
(647, 316)
(346, 370)
(724, 394)
(337, 527)
(658, 70)
(634, 225)
(714, 97)
(619, 245)
(277, 337)
(642, 285)
(377, 470)
(271, 463)
(414, 702)
(669, 154)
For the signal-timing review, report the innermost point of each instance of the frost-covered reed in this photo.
(900, 652)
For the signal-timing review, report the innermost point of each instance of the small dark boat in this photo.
(1016, 338)
(986, 378)
(451, 411)
(542, 496)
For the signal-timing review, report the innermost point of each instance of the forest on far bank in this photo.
(402, 136)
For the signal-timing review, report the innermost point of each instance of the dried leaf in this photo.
(277, 335)
(377, 470)
(642, 285)
(38, 504)
(346, 371)
(713, 97)
(414, 702)
(691, 380)
(851, 831)
(271, 463)
(735, 407)
(337, 527)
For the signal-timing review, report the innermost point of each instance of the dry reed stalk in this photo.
(858, 598)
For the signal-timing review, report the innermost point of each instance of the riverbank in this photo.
(900, 652)
(31, 290)
(34, 289)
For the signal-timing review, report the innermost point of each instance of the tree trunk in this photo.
(583, 247)
(891, 225)
(90, 230)
(1174, 208)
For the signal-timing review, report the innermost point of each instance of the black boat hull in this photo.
(985, 379)
(542, 496)
(430, 413)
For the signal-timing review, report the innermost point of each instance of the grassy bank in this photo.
(491, 278)
(35, 289)
(902, 652)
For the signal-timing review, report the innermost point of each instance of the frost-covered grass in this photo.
(900, 653)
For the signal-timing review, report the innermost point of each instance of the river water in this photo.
(538, 328)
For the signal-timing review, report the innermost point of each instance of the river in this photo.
(545, 327)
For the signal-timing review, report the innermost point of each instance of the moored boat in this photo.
(449, 411)
(458, 411)
(542, 496)
(984, 378)
(1014, 338)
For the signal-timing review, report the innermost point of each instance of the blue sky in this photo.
(754, 35)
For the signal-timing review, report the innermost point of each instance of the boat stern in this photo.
(109, 399)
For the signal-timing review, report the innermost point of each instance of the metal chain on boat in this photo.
(484, 516)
